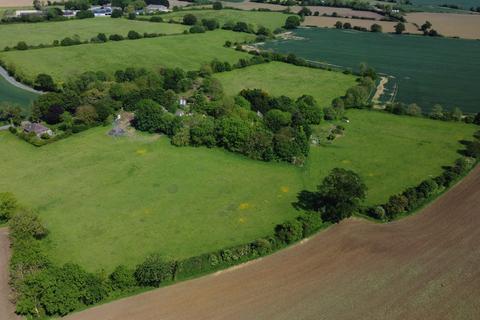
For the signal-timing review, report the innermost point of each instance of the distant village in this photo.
(98, 11)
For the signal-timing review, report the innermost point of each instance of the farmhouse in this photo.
(37, 128)
(152, 8)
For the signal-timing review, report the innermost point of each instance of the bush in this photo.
(156, 19)
(8, 206)
(132, 16)
(84, 14)
(22, 45)
(197, 29)
(117, 13)
(189, 19)
(122, 278)
(26, 225)
(154, 271)
(133, 35)
(44, 82)
(115, 37)
(292, 22)
(217, 5)
(289, 232)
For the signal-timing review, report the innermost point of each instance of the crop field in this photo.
(271, 20)
(47, 32)
(449, 24)
(13, 95)
(329, 22)
(465, 4)
(109, 201)
(428, 70)
(286, 79)
(186, 51)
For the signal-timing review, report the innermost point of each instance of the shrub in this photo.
(132, 16)
(217, 5)
(262, 246)
(22, 45)
(84, 14)
(122, 278)
(133, 35)
(156, 19)
(115, 37)
(292, 22)
(117, 13)
(289, 232)
(154, 271)
(396, 204)
(44, 82)
(197, 29)
(26, 225)
(8, 206)
(189, 19)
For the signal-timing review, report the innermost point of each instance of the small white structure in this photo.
(182, 102)
(20, 13)
(101, 11)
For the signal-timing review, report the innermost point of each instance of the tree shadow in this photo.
(307, 200)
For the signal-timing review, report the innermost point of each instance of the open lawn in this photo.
(47, 32)
(271, 20)
(285, 79)
(109, 200)
(185, 51)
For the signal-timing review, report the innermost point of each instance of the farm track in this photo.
(421, 267)
(6, 308)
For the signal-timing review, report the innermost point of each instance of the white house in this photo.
(152, 8)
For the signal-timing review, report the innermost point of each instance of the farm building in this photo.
(152, 8)
(36, 128)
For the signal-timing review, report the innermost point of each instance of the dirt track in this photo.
(422, 267)
(6, 308)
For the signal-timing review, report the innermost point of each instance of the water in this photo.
(427, 70)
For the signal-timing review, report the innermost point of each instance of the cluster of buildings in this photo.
(98, 11)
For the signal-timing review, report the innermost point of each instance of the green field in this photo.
(285, 79)
(185, 51)
(108, 201)
(47, 32)
(14, 95)
(428, 70)
(271, 20)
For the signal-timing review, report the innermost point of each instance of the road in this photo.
(6, 308)
(422, 267)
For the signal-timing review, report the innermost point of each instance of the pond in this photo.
(10, 93)
(427, 70)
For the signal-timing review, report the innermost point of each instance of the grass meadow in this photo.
(271, 20)
(110, 201)
(185, 51)
(289, 80)
(47, 32)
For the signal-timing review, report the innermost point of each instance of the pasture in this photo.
(185, 51)
(289, 80)
(110, 201)
(47, 32)
(427, 70)
(271, 20)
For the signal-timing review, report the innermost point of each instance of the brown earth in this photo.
(344, 12)
(15, 3)
(387, 26)
(449, 24)
(6, 308)
(423, 267)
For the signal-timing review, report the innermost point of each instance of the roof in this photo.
(35, 127)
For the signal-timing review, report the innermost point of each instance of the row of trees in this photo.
(437, 112)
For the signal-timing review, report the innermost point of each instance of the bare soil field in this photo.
(449, 24)
(329, 22)
(6, 308)
(15, 3)
(343, 12)
(421, 267)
